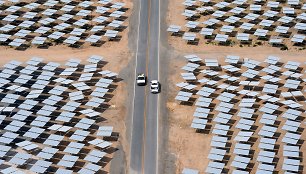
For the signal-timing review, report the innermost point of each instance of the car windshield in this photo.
(140, 77)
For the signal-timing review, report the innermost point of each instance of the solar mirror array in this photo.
(44, 23)
(254, 110)
(278, 23)
(51, 116)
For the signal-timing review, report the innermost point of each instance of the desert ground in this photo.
(117, 54)
(187, 148)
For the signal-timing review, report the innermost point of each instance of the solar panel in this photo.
(74, 148)
(40, 166)
(243, 36)
(213, 170)
(189, 171)
(84, 123)
(27, 145)
(68, 161)
(174, 28)
(20, 158)
(240, 172)
(94, 102)
(81, 86)
(203, 101)
(298, 38)
(243, 136)
(90, 168)
(189, 36)
(79, 135)
(78, 95)
(221, 37)
(94, 156)
(17, 42)
(100, 143)
(240, 162)
(64, 171)
(47, 152)
(56, 35)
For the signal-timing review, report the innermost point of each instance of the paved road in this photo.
(144, 140)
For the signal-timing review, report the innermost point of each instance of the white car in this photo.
(155, 86)
(141, 80)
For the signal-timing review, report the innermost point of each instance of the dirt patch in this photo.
(190, 149)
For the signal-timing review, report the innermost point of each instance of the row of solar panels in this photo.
(16, 31)
(52, 3)
(227, 19)
(293, 84)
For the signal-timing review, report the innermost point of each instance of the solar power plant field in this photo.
(52, 117)
(255, 112)
(44, 23)
(245, 22)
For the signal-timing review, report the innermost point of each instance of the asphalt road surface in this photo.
(144, 139)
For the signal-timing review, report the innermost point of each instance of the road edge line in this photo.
(158, 99)
(134, 91)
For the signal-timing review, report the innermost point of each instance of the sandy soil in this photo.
(189, 148)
